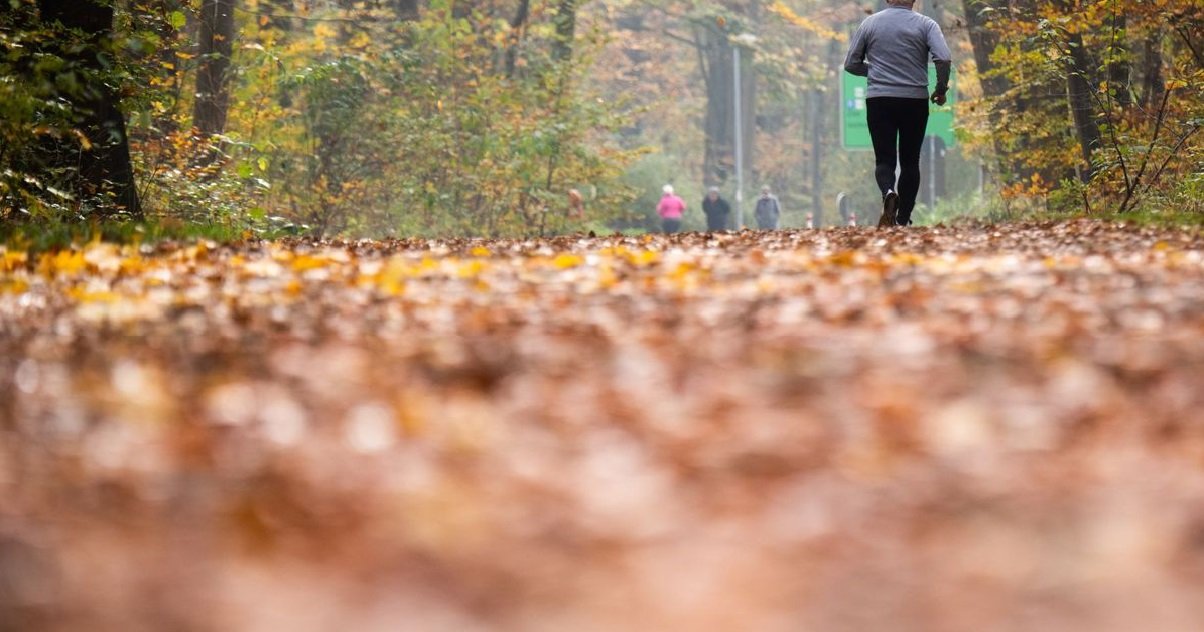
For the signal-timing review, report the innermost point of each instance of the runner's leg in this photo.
(913, 124)
(884, 132)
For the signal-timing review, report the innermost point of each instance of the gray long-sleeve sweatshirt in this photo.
(892, 47)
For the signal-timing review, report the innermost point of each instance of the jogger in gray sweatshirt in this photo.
(892, 48)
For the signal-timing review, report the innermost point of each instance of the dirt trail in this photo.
(970, 428)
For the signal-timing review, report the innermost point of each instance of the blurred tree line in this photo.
(1095, 104)
(512, 117)
(329, 116)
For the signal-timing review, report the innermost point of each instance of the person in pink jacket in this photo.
(671, 208)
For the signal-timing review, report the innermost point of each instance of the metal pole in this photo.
(739, 109)
(982, 179)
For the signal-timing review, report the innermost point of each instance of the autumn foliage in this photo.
(1096, 100)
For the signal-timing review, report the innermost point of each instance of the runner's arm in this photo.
(941, 57)
(854, 62)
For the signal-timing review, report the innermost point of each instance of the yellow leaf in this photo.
(10, 261)
(645, 257)
(607, 277)
(62, 262)
(470, 269)
(788, 14)
(361, 40)
(844, 258)
(90, 296)
(16, 286)
(307, 262)
(567, 260)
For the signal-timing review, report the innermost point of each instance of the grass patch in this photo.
(40, 236)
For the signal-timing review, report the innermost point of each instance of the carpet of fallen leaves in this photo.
(987, 428)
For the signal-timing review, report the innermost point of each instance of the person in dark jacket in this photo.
(717, 210)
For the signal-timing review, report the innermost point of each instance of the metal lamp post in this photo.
(738, 42)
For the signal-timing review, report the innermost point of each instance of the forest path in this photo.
(952, 428)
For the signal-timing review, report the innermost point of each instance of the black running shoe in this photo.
(890, 206)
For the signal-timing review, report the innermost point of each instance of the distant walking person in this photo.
(670, 208)
(769, 210)
(716, 209)
(891, 48)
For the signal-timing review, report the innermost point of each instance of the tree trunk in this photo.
(1118, 66)
(1079, 87)
(1151, 70)
(216, 39)
(277, 15)
(171, 40)
(984, 41)
(518, 27)
(717, 65)
(1005, 99)
(565, 22)
(105, 168)
(407, 10)
(715, 60)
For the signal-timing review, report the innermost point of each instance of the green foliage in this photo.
(32, 117)
(229, 193)
(46, 73)
(966, 206)
(415, 130)
(52, 235)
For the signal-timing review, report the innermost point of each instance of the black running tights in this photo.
(897, 127)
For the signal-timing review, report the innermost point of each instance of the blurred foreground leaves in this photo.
(935, 429)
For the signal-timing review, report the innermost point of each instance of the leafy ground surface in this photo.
(971, 428)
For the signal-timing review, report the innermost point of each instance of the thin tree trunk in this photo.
(518, 27)
(170, 41)
(278, 15)
(984, 40)
(1079, 87)
(407, 10)
(105, 168)
(1119, 66)
(216, 39)
(565, 22)
(715, 61)
(717, 65)
(1151, 70)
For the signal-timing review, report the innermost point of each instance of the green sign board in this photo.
(855, 133)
